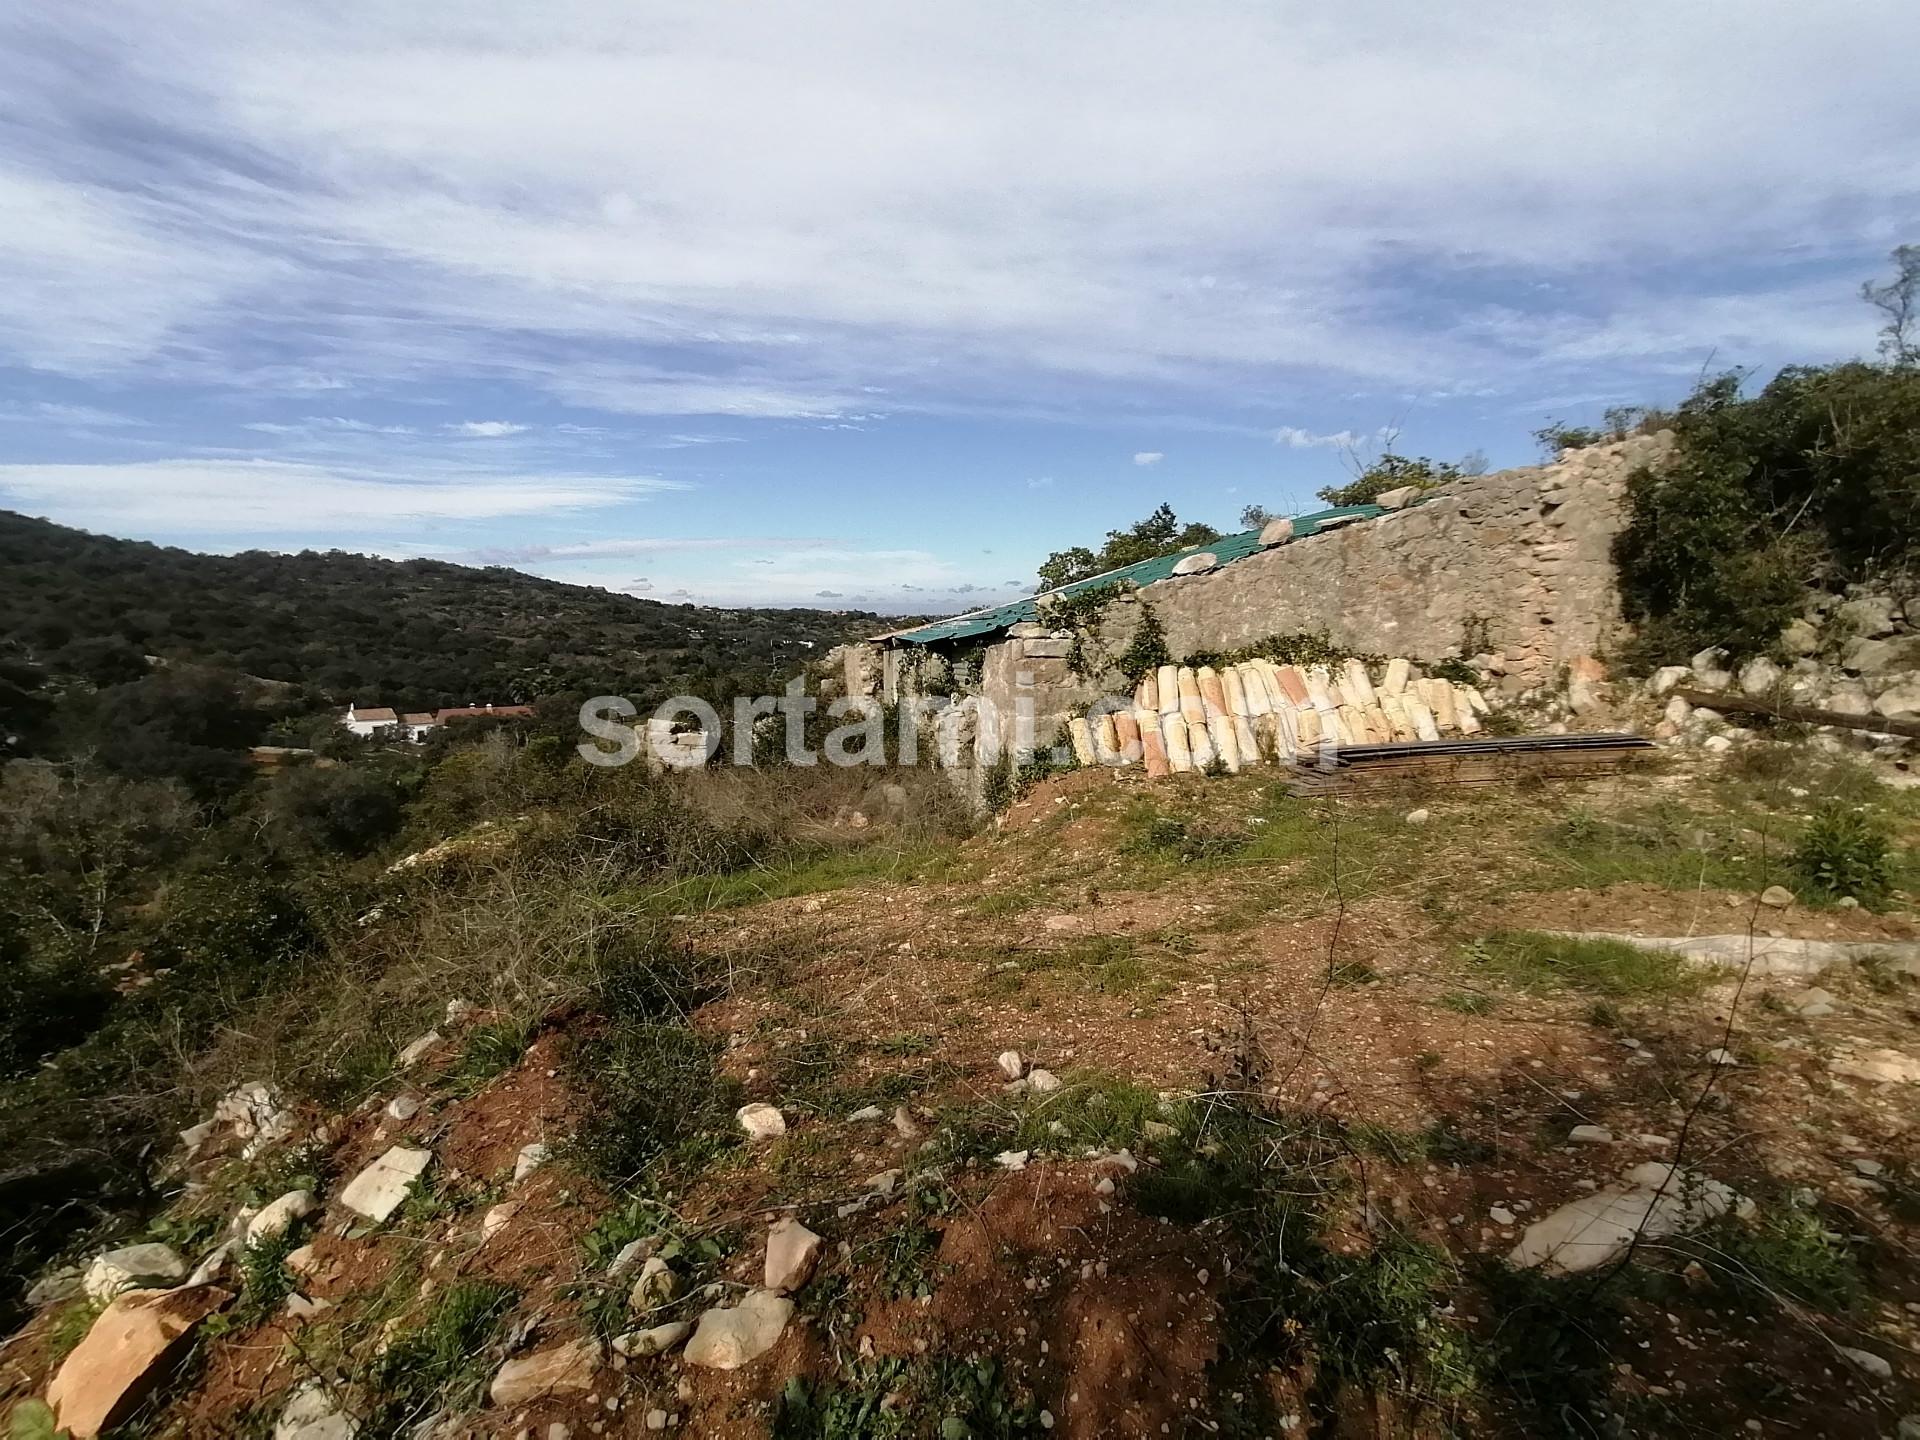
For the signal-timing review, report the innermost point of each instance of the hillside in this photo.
(416, 633)
(1162, 1108)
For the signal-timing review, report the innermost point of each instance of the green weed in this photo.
(442, 1362)
(1843, 851)
(1532, 961)
(1468, 1002)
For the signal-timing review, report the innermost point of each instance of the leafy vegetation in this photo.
(417, 634)
(1843, 851)
(1389, 471)
(1812, 478)
(1161, 533)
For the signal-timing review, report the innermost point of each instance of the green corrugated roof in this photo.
(1228, 549)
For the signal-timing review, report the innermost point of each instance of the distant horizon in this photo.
(864, 308)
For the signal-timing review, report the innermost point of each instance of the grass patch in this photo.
(1468, 1002)
(1550, 1353)
(265, 1281)
(1532, 961)
(490, 1050)
(1669, 845)
(1785, 1253)
(807, 872)
(440, 1363)
(950, 1398)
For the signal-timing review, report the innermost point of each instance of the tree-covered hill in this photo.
(416, 633)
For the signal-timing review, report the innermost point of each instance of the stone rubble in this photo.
(377, 1191)
(728, 1337)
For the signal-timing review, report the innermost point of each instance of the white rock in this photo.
(1044, 1082)
(376, 1192)
(1868, 1167)
(1759, 676)
(1899, 702)
(1883, 1067)
(731, 1336)
(497, 1219)
(1716, 744)
(792, 1252)
(1718, 1056)
(1013, 1159)
(417, 1051)
(633, 1253)
(1396, 499)
(562, 1370)
(761, 1121)
(1868, 1362)
(1010, 1064)
(655, 1340)
(884, 1182)
(1776, 896)
(1196, 564)
(1667, 678)
(1814, 1003)
(531, 1158)
(278, 1216)
(1501, 1215)
(1799, 638)
(1590, 1135)
(656, 1419)
(132, 1267)
(1274, 532)
(1419, 817)
(313, 1412)
(1710, 668)
(1652, 1200)
(656, 1286)
(1677, 712)
(403, 1107)
(61, 1285)
(254, 1113)
(868, 1112)
(461, 1011)
(194, 1136)
(1061, 924)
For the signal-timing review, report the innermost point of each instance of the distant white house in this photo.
(416, 725)
(370, 721)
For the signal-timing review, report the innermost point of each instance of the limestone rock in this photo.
(530, 1159)
(1044, 1082)
(762, 1122)
(634, 1252)
(1867, 1362)
(403, 1107)
(279, 1216)
(1275, 532)
(313, 1412)
(1196, 564)
(1653, 1200)
(1710, 668)
(417, 1051)
(1900, 702)
(124, 1353)
(1668, 678)
(54, 1289)
(1013, 1159)
(254, 1113)
(1759, 676)
(1010, 1064)
(1419, 817)
(497, 1218)
(1814, 1003)
(1883, 1067)
(1777, 897)
(655, 1340)
(132, 1267)
(728, 1337)
(376, 1192)
(1590, 1135)
(1800, 638)
(656, 1286)
(792, 1252)
(1848, 700)
(1868, 615)
(561, 1370)
(1396, 499)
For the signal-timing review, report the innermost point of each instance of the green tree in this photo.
(1161, 533)
(1392, 472)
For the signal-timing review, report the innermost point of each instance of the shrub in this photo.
(1392, 472)
(1817, 476)
(1844, 852)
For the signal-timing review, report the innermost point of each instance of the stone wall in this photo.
(1522, 557)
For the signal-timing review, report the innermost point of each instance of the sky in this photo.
(875, 304)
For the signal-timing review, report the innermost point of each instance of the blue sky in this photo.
(876, 304)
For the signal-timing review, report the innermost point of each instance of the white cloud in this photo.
(271, 497)
(1148, 457)
(1298, 439)
(1044, 207)
(486, 429)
